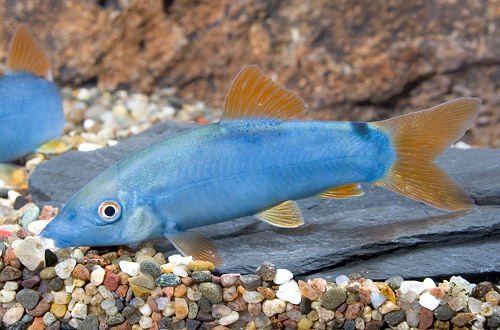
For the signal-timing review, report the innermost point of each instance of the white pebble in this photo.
(97, 276)
(145, 322)
(79, 311)
(180, 271)
(428, 301)
(87, 146)
(107, 303)
(169, 308)
(475, 305)
(12, 196)
(180, 260)
(13, 315)
(10, 285)
(64, 269)
(62, 298)
(7, 296)
(230, 318)
(47, 296)
(429, 283)
(273, 307)
(112, 310)
(31, 253)
(88, 124)
(415, 286)
(460, 287)
(104, 291)
(377, 299)
(253, 297)
(145, 310)
(36, 227)
(486, 309)
(341, 279)
(282, 276)
(75, 323)
(289, 292)
(162, 302)
(84, 94)
(129, 267)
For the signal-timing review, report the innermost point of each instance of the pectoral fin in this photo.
(286, 214)
(343, 191)
(190, 243)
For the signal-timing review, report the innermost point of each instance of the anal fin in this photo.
(343, 191)
(190, 243)
(286, 214)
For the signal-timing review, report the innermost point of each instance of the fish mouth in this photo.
(51, 243)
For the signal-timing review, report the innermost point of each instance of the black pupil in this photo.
(109, 211)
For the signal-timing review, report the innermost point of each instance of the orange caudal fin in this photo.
(25, 55)
(419, 138)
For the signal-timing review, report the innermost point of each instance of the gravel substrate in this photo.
(119, 288)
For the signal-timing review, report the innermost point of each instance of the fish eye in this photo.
(109, 211)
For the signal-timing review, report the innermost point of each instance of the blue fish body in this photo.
(31, 114)
(209, 173)
(31, 111)
(255, 162)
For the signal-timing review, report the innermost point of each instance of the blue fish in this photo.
(31, 111)
(256, 161)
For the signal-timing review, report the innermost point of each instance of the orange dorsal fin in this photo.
(26, 55)
(254, 95)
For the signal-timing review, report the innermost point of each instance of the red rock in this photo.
(364, 296)
(426, 319)
(81, 272)
(216, 279)
(239, 304)
(168, 291)
(353, 310)
(254, 309)
(152, 304)
(229, 279)
(40, 309)
(290, 323)
(122, 290)
(125, 325)
(154, 326)
(23, 233)
(111, 281)
(281, 317)
(48, 212)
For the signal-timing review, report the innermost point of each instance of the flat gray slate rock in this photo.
(379, 235)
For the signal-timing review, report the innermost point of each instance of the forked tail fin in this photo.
(419, 138)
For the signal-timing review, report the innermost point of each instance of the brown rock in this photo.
(10, 273)
(229, 293)
(180, 290)
(156, 316)
(23, 233)
(353, 311)
(40, 309)
(290, 323)
(111, 281)
(125, 325)
(462, 319)
(81, 272)
(229, 279)
(374, 325)
(154, 326)
(94, 259)
(267, 293)
(152, 304)
(187, 280)
(426, 319)
(441, 325)
(48, 212)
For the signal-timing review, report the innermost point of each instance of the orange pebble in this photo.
(168, 291)
(180, 290)
(241, 289)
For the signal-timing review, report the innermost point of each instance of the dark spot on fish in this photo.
(360, 128)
